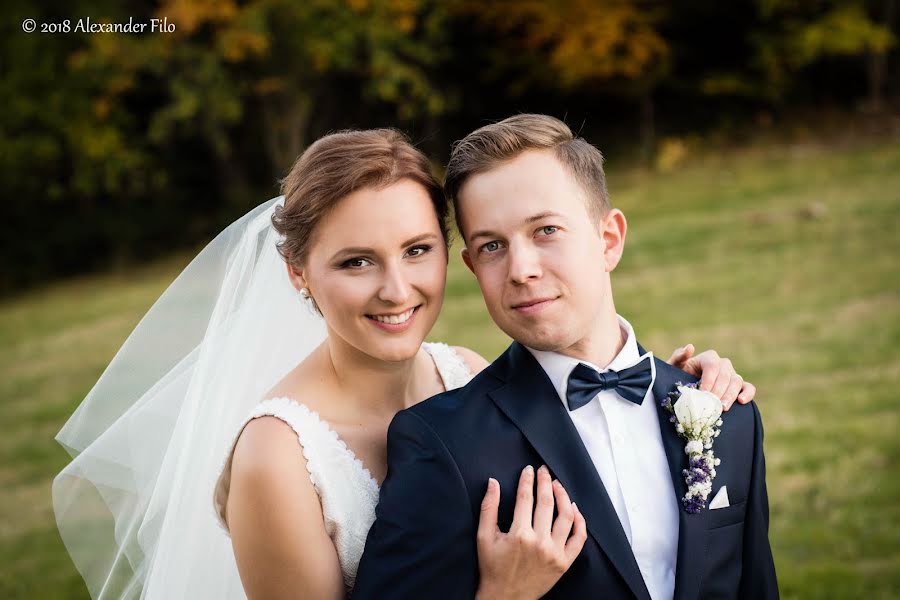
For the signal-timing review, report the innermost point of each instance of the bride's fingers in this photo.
(747, 393)
(524, 500)
(579, 536)
(731, 392)
(487, 521)
(565, 517)
(709, 369)
(726, 374)
(681, 355)
(543, 511)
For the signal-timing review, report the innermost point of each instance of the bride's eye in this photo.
(419, 250)
(354, 263)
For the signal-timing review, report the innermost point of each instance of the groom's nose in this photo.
(524, 262)
(394, 287)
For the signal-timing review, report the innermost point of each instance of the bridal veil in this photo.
(134, 507)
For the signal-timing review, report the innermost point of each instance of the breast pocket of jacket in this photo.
(729, 515)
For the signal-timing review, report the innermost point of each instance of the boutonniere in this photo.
(696, 416)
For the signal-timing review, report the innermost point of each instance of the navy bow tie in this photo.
(631, 383)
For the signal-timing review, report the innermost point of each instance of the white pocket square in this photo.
(721, 499)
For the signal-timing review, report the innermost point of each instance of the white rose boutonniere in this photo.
(697, 418)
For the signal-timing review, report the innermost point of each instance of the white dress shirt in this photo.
(624, 441)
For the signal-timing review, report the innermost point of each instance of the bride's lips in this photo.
(395, 327)
(535, 305)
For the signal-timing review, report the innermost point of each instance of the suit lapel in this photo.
(532, 404)
(691, 527)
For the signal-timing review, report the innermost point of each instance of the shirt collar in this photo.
(559, 366)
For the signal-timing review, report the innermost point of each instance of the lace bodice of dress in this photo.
(347, 490)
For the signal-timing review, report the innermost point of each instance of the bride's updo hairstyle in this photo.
(339, 164)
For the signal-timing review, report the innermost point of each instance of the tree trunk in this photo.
(286, 126)
(647, 127)
(876, 65)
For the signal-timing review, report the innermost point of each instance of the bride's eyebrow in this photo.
(353, 250)
(419, 238)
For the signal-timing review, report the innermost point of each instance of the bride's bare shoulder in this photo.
(267, 450)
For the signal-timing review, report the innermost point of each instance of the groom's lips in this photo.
(532, 306)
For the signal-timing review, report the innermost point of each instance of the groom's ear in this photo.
(612, 230)
(466, 258)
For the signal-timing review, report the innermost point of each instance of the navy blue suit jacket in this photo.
(442, 451)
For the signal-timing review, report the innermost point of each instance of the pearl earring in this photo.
(304, 293)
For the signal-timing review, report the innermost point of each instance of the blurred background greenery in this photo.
(754, 145)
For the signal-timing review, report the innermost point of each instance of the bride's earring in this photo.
(307, 298)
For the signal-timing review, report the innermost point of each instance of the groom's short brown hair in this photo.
(494, 144)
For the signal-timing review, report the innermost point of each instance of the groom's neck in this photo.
(602, 342)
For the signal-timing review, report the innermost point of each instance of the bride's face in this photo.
(377, 268)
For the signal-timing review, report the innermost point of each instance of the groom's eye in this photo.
(549, 229)
(491, 247)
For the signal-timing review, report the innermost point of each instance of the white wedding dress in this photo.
(346, 489)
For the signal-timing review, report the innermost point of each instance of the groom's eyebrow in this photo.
(528, 220)
(542, 215)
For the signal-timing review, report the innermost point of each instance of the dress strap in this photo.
(320, 444)
(451, 366)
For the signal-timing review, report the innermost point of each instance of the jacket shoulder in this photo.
(444, 408)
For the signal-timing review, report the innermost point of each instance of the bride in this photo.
(271, 393)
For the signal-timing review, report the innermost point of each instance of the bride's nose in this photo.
(395, 288)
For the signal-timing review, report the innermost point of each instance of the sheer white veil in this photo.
(135, 506)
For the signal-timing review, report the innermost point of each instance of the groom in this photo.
(542, 240)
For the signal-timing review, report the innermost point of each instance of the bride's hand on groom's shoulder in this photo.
(717, 375)
(537, 551)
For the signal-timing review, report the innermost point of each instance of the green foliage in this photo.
(130, 134)
(795, 35)
(120, 146)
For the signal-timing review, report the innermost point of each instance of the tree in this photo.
(580, 45)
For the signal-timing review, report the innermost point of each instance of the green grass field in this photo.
(786, 259)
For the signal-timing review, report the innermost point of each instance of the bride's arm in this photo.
(275, 518)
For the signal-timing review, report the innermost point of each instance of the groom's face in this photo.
(540, 255)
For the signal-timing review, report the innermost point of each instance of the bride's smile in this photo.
(394, 322)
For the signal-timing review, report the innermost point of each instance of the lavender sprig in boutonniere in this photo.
(696, 416)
